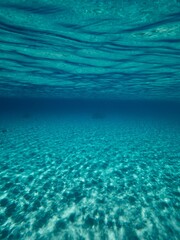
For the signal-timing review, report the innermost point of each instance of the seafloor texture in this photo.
(90, 48)
(93, 180)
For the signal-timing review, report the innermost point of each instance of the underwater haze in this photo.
(89, 120)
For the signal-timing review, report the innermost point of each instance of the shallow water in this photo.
(89, 120)
(64, 178)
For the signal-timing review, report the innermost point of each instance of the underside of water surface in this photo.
(90, 49)
(89, 120)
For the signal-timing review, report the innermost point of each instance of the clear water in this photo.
(87, 48)
(89, 120)
(73, 175)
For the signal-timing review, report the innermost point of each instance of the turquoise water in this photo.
(89, 120)
(82, 178)
(90, 49)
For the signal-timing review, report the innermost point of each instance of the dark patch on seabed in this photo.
(89, 120)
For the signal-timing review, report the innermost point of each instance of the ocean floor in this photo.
(92, 179)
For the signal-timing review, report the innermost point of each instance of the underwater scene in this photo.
(89, 120)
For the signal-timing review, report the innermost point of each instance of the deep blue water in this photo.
(89, 120)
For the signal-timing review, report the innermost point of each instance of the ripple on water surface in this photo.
(90, 49)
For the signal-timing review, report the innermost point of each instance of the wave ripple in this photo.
(111, 49)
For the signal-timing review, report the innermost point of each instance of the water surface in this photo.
(90, 49)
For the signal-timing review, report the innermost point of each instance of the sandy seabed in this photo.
(92, 179)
